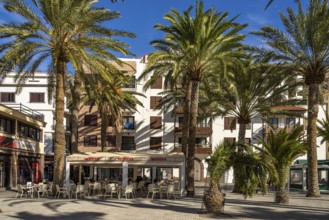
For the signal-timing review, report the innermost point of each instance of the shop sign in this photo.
(125, 158)
(92, 158)
(7, 142)
(27, 145)
(158, 158)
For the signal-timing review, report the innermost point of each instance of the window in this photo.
(27, 131)
(111, 141)
(180, 121)
(229, 140)
(290, 122)
(201, 142)
(154, 101)
(37, 97)
(128, 143)
(274, 122)
(202, 123)
(229, 123)
(155, 142)
(90, 140)
(157, 84)
(128, 122)
(155, 122)
(110, 120)
(7, 125)
(90, 120)
(7, 97)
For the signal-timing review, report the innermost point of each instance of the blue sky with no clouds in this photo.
(139, 17)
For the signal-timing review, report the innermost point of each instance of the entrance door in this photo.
(197, 171)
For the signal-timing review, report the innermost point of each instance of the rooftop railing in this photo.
(26, 110)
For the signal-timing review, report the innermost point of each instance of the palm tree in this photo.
(305, 47)
(66, 31)
(247, 93)
(194, 47)
(111, 101)
(252, 170)
(280, 149)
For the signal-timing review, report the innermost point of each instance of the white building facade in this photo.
(34, 96)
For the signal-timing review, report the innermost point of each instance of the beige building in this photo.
(21, 146)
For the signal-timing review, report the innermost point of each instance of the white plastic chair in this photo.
(43, 189)
(140, 186)
(22, 191)
(79, 190)
(63, 191)
(151, 189)
(171, 191)
(129, 190)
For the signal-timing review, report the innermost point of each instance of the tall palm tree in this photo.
(246, 93)
(280, 149)
(304, 45)
(195, 46)
(66, 31)
(111, 100)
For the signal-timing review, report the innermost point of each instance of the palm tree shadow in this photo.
(68, 216)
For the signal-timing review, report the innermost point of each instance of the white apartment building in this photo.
(147, 130)
(34, 97)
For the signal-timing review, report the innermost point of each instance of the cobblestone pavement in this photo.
(258, 207)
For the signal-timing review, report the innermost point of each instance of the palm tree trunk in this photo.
(75, 112)
(281, 195)
(104, 125)
(213, 198)
(186, 118)
(241, 137)
(192, 131)
(312, 160)
(59, 151)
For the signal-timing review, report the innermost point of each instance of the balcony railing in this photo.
(199, 149)
(199, 130)
(28, 111)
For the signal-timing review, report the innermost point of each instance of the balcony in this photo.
(28, 111)
(199, 149)
(268, 128)
(199, 130)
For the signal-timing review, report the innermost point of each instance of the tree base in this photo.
(213, 200)
(282, 197)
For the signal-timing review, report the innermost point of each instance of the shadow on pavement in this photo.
(75, 215)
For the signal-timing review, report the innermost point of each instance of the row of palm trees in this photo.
(201, 57)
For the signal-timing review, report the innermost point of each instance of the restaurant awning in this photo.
(108, 158)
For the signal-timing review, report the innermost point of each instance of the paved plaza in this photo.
(95, 208)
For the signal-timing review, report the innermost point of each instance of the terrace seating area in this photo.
(101, 190)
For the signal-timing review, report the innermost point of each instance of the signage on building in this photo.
(7, 142)
(27, 145)
(125, 158)
(92, 158)
(158, 158)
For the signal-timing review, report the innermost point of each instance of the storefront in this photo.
(299, 171)
(21, 148)
(124, 166)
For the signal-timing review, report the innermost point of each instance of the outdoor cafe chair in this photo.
(22, 191)
(140, 186)
(129, 190)
(79, 190)
(171, 191)
(152, 190)
(43, 189)
(62, 190)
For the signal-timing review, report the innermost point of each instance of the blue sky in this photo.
(139, 17)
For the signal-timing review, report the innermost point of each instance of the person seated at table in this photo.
(138, 179)
(155, 181)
